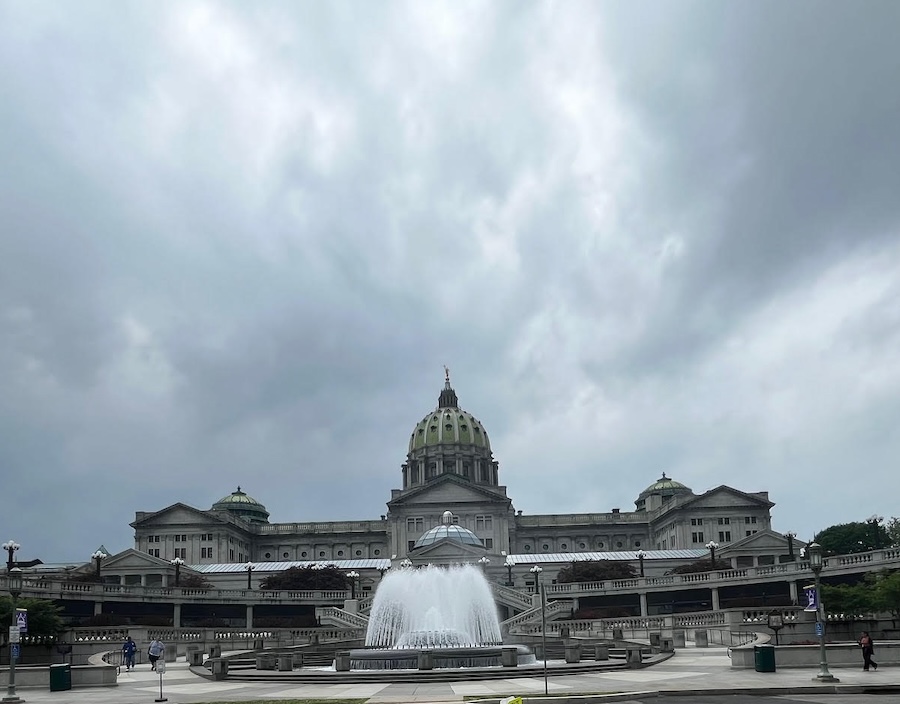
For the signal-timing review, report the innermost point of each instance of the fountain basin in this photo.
(438, 658)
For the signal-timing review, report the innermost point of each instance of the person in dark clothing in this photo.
(128, 650)
(868, 650)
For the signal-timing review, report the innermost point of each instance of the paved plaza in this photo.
(707, 673)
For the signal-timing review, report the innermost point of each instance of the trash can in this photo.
(60, 677)
(764, 658)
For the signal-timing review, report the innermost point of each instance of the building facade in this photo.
(450, 466)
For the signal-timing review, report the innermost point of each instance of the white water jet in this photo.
(433, 607)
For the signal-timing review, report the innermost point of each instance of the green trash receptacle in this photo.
(60, 677)
(764, 658)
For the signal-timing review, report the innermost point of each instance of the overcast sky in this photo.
(239, 241)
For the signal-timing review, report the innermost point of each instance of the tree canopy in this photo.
(596, 571)
(701, 566)
(43, 616)
(328, 578)
(878, 592)
(858, 536)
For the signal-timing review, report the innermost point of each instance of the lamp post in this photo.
(249, 568)
(814, 551)
(10, 546)
(405, 563)
(353, 575)
(509, 564)
(640, 556)
(484, 561)
(711, 546)
(97, 557)
(790, 535)
(536, 571)
(14, 585)
(178, 562)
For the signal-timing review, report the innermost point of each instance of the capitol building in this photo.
(450, 467)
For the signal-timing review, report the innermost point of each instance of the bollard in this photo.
(285, 662)
(601, 652)
(426, 660)
(342, 661)
(265, 661)
(573, 653)
(219, 669)
(509, 657)
(195, 658)
(633, 656)
(701, 638)
(298, 658)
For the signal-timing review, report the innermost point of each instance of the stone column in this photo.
(176, 616)
(643, 596)
(793, 587)
(98, 608)
(249, 616)
(715, 598)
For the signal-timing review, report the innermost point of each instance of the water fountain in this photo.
(448, 612)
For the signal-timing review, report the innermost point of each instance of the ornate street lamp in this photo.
(790, 535)
(14, 585)
(536, 571)
(97, 557)
(484, 561)
(405, 563)
(10, 546)
(640, 556)
(509, 564)
(178, 562)
(816, 563)
(353, 575)
(711, 546)
(249, 568)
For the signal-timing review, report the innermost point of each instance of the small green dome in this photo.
(665, 485)
(448, 424)
(242, 505)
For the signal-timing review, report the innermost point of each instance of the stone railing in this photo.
(579, 519)
(512, 597)
(322, 527)
(338, 617)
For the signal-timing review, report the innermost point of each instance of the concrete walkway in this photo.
(700, 671)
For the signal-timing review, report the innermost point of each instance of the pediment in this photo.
(449, 490)
(177, 514)
(767, 540)
(727, 497)
(134, 559)
(449, 551)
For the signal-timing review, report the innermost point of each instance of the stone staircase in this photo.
(333, 616)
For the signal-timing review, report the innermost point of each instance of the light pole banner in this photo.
(812, 599)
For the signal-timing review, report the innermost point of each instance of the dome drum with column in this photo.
(246, 507)
(449, 440)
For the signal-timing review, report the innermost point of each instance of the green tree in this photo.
(701, 566)
(887, 592)
(596, 571)
(893, 532)
(328, 578)
(43, 616)
(859, 536)
(194, 581)
(851, 599)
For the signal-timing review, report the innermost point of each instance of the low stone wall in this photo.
(838, 654)
(38, 676)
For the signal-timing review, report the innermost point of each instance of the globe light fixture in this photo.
(249, 568)
(353, 575)
(11, 546)
(98, 557)
(178, 562)
(640, 556)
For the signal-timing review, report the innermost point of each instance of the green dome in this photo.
(448, 425)
(665, 485)
(244, 506)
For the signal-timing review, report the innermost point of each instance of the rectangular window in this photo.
(155, 552)
(206, 536)
(488, 543)
(415, 524)
(724, 521)
(231, 555)
(155, 538)
(484, 523)
(753, 519)
(696, 521)
(205, 553)
(410, 544)
(181, 552)
(697, 537)
(725, 536)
